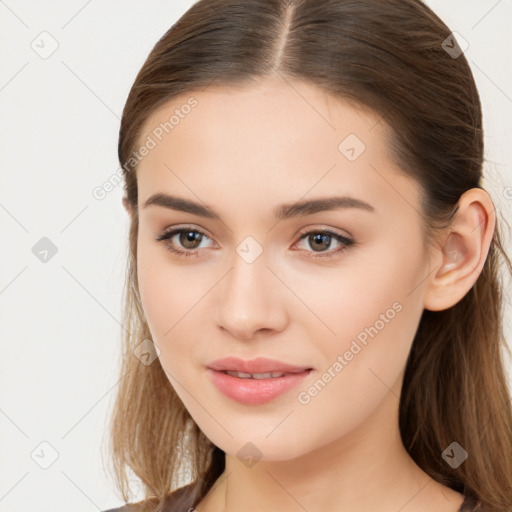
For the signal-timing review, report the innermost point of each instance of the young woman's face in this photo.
(249, 284)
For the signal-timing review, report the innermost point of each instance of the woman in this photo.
(313, 294)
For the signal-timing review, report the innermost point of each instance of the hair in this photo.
(387, 57)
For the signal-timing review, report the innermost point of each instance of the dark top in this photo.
(182, 501)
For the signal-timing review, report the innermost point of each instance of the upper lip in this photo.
(258, 365)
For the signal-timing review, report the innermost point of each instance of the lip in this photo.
(258, 365)
(255, 391)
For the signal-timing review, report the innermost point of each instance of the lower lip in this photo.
(255, 391)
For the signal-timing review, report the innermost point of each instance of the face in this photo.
(336, 290)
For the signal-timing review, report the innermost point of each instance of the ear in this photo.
(461, 257)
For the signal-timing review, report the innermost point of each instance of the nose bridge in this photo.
(250, 299)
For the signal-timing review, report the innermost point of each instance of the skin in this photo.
(243, 152)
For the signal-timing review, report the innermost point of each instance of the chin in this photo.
(256, 446)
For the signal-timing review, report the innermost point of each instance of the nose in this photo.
(251, 300)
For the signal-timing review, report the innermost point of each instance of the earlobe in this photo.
(463, 252)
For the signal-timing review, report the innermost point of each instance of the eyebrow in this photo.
(281, 212)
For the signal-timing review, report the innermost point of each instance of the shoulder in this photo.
(470, 505)
(179, 500)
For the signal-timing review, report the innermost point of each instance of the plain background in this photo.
(60, 327)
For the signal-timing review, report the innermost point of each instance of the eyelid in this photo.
(319, 228)
(178, 228)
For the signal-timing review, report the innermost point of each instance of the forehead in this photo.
(274, 112)
(273, 141)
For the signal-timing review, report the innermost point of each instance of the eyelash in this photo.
(346, 242)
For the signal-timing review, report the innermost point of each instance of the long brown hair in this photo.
(398, 59)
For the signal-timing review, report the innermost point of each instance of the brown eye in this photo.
(321, 241)
(189, 239)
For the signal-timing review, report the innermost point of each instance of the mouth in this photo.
(256, 388)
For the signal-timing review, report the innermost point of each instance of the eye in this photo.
(188, 242)
(189, 238)
(321, 239)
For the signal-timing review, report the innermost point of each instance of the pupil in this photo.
(319, 238)
(191, 237)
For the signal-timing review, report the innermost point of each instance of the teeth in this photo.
(243, 375)
(240, 375)
(269, 375)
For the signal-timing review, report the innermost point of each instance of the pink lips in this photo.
(255, 391)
